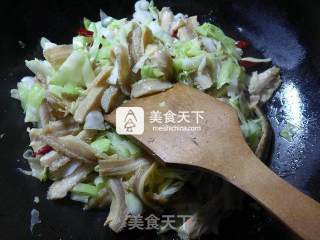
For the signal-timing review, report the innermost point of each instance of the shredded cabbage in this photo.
(79, 42)
(230, 72)
(288, 132)
(123, 147)
(85, 189)
(79, 197)
(185, 77)
(43, 69)
(190, 48)
(153, 10)
(63, 91)
(31, 97)
(101, 144)
(252, 131)
(148, 71)
(99, 182)
(187, 64)
(76, 71)
(159, 33)
(212, 31)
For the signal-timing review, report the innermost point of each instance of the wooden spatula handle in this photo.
(295, 209)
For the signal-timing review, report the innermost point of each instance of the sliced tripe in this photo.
(147, 38)
(102, 200)
(87, 135)
(166, 18)
(149, 86)
(65, 170)
(263, 85)
(188, 32)
(44, 114)
(66, 126)
(121, 72)
(200, 221)
(111, 98)
(90, 102)
(70, 146)
(56, 55)
(113, 166)
(118, 211)
(139, 181)
(101, 79)
(80, 147)
(163, 61)
(203, 79)
(135, 43)
(53, 160)
(59, 189)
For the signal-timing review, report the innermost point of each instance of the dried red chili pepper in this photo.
(247, 64)
(84, 32)
(242, 44)
(45, 149)
(175, 33)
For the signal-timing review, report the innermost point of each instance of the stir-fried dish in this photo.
(112, 61)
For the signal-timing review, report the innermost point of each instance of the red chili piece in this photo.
(242, 44)
(175, 33)
(247, 64)
(84, 32)
(45, 149)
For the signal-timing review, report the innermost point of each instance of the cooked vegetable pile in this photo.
(111, 61)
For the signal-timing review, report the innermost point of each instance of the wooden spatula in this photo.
(220, 147)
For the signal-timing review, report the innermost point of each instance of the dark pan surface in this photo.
(287, 31)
